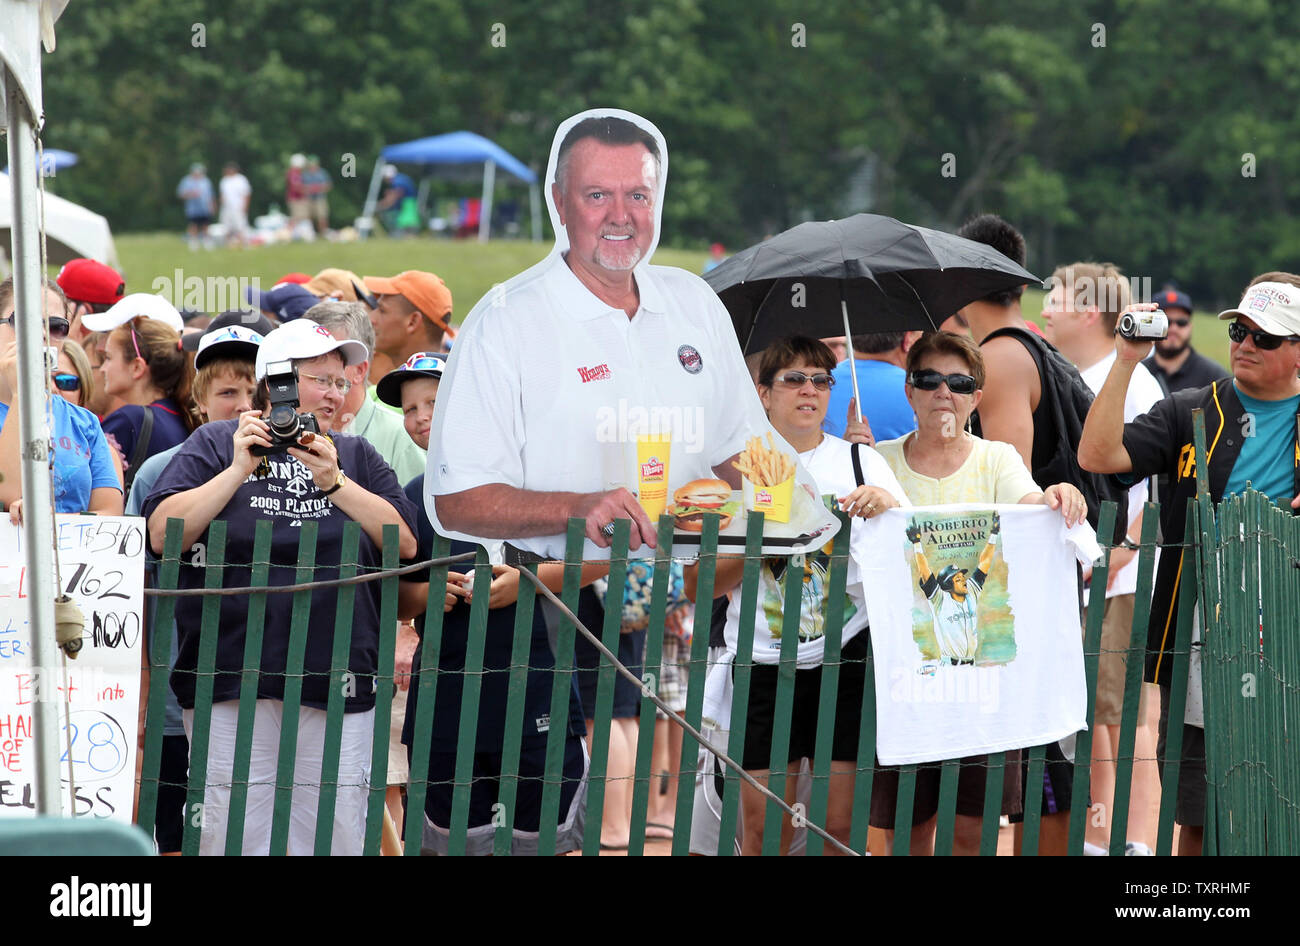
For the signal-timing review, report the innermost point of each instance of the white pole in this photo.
(367, 223)
(535, 210)
(853, 368)
(485, 207)
(34, 432)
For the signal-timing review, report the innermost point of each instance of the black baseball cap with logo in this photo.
(248, 319)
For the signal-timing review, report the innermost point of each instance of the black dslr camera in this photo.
(286, 424)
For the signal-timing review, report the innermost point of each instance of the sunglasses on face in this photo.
(928, 379)
(58, 326)
(1263, 340)
(1181, 323)
(67, 382)
(797, 379)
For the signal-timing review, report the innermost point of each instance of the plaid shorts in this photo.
(674, 674)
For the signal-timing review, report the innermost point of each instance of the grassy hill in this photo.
(469, 268)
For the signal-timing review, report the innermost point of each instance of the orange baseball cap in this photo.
(423, 290)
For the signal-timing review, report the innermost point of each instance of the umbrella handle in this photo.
(853, 369)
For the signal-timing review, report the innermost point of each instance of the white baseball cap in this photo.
(131, 306)
(231, 341)
(302, 339)
(1273, 306)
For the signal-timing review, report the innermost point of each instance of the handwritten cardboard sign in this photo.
(101, 563)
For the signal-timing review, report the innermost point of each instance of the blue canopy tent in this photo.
(458, 148)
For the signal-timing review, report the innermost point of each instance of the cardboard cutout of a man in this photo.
(585, 348)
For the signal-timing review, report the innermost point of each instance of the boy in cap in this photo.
(413, 387)
(223, 387)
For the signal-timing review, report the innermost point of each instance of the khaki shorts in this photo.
(1112, 664)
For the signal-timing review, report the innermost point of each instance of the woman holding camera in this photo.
(329, 479)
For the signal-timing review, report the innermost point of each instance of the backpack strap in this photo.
(141, 451)
(857, 465)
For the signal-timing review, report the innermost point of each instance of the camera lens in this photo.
(283, 422)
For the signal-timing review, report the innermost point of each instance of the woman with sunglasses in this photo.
(145, 366)
(939, 463)
(794, 384)
(84, 477)
(72, 376)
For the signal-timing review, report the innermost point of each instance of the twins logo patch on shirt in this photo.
(690, 359)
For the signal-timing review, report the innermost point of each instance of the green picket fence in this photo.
(1252, 770)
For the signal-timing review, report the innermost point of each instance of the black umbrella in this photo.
(870, 272)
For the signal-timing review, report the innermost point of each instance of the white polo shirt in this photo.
(1143, 391)
(547, 387)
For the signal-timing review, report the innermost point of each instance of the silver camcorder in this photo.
(1143, 326)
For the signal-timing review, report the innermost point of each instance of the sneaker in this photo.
(1093, 850)
(1137, 849)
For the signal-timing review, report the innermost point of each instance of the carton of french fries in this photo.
(768, 478)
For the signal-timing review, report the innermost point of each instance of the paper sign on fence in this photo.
(101, 561)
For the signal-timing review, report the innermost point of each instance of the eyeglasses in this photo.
(927, 379)
(58, 326)
(342, 385)
(1263, 340)
(797, 379)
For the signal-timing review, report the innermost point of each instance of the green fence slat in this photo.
(293, 680)
(248, 681)
(865, 772)
(1033, 801)
(561, 688)
(330, 750)
(427, 685)
(1177, 670)
(946, 816)
(159, 674)
(203, 687)
(603, 720)
(470, 694)
(390, 559)
(741, 673)
(1091, 659)
(1133, 673)
(652, 672)
(828, 697)
(903, 810)
(512, 736)
(699, 659)
(993, 782)
(783, 711)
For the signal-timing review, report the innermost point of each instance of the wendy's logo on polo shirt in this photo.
(597, 373)
(690, 359)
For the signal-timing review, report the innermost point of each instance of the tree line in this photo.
(1154, 135)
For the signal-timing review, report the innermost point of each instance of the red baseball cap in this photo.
(87, 280)
(298, 278)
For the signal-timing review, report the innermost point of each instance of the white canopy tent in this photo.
(70, 229)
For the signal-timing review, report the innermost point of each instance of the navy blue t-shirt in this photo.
(126, 422)
(496, 663)
(285, 495)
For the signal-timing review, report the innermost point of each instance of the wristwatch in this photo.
(338, 484)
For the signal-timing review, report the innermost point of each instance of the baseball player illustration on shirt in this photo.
(954, 597)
